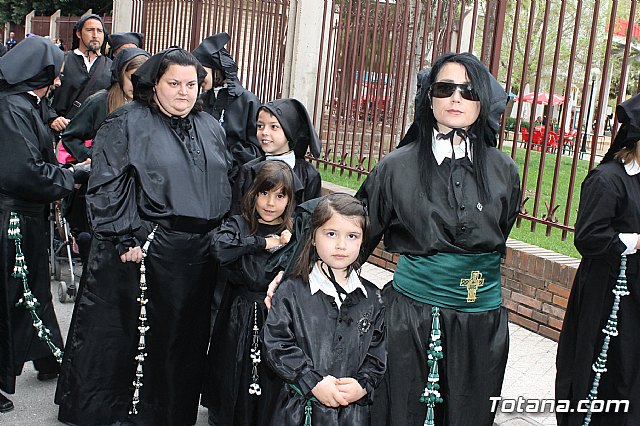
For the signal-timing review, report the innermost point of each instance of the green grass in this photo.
(523, 232)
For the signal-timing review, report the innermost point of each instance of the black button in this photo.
(462, 207)
(198, 152)
(339, 337)
(463, 228)
(457, 183)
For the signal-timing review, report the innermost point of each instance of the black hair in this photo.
(336, 203)
(145, 93)
(479, 133)
(273, 174)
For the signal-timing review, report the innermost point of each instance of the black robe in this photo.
(226, 390)
(307, 183)
(30, 179)
(145, 174)
(349, 343)
(609, 205)
(237, 112)
(85, 125)
(415, 223)
(75, 78)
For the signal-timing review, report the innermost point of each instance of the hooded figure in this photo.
(606, 229)
(96, 108)
(86, 69)
(161, 166)
(30, 179)
(227, 101)
(301, 137)
(119, 41)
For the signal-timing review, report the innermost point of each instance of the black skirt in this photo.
(475, 347)
(95, 386)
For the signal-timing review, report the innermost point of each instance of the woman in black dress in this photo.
(607, 227)
(446, 203)
(139, 333)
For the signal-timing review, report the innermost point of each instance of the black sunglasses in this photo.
(442, 89)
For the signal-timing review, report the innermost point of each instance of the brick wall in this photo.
(535, 282)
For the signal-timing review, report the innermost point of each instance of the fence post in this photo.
(301, 53)
(53, 25)
(122, 14)
(27, 22)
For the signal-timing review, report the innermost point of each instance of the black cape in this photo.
(226, 390)
(416, 223)
(350, 343)
(144, 173)
(75, 78)
(237, 112)
(29, 180)
(609, 205)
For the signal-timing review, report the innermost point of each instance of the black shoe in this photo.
(43, 377)
(5, 404)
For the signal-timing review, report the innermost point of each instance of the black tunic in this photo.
(306, 337)
(609, 205)
(85, 125)
(144, 174)
(237, 112)
(29, 179)
(415, 223)
(307, 183)
(226, 391)
(75, 78)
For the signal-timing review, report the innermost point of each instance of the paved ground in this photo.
(530, 374)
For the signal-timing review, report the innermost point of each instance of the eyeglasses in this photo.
(443, 89)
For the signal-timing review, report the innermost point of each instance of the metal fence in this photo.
(372, 51)
(257, 29)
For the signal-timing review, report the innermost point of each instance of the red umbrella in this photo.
(543, 98)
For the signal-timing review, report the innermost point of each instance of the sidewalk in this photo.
(530, 374)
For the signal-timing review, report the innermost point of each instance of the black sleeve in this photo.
(511, 211)
(25, 170)
(372, 193)
(243, 181)
(282, 352)
(230, 241)
(111, 192)
(600, 199)
(84, 126)
(375, 363)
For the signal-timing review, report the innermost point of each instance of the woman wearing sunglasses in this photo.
(447, 331)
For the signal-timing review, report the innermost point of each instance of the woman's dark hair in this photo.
(337, 203)
(273, 174)
(479, 133)
(145, 94)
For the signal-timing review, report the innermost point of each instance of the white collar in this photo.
(442, 148)
(34, 95)
(632, 168)
(319, 282)
(287, 157)
(87, 62)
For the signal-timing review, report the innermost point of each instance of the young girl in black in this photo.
(325, 334)
(239, 389)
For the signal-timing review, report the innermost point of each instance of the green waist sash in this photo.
(464, 282)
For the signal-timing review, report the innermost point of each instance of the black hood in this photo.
(121, 61)
(628, 115)
(32, 64)
(297, 126)
(117, 40)
(212, 54)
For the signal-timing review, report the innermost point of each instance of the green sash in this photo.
(464, 282)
